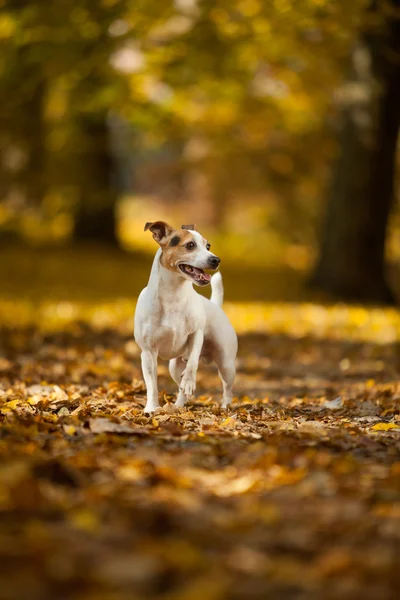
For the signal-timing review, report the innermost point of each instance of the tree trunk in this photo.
(34, 174)
(97, 197)
(352, 261)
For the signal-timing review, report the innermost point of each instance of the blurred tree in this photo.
(57, 87)
(251, 81)
(241, 86)
(23, 129)
(95, 217)
(352, 260)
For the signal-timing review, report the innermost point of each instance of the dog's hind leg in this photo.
(227, 371)
(176, 368)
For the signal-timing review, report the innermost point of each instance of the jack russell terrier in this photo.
(174, 322)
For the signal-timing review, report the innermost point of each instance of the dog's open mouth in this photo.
(198, 275)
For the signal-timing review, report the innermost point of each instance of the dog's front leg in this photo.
(149, 369)
(188, 382)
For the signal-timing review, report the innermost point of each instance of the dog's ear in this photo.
(191, 227)
(160, 230)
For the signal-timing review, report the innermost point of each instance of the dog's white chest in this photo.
(174, 327)
(172, 342)
(166, 328)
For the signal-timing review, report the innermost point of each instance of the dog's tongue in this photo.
(201, 274)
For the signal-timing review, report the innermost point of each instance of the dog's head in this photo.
(184, 251)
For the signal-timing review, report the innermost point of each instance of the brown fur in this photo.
(159, 229)
(172, 255)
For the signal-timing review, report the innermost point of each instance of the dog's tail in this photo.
(217, 289)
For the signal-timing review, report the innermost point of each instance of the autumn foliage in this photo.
(293, 493)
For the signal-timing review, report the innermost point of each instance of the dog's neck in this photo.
(167, 284)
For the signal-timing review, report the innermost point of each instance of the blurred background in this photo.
(271, 125)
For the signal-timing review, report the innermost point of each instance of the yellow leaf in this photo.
(7, 26)
(50, 417)
(13, 404)
(154, 422)
(247, 400)
(385, 426)
(84, 519)
(229, 422)
(70, 429)
(34, 400)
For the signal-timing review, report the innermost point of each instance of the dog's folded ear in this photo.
(191, 227)
(160, 230)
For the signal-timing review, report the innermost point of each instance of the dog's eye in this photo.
(208, 246)
(190, 245)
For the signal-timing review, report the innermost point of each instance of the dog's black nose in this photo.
(214, 262)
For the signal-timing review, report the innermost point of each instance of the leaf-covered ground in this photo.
(292, 494)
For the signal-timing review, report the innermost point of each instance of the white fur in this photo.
(173, 322)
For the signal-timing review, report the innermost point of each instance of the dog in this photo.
(177, 324)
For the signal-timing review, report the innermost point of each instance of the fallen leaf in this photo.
(104, 425)
(335, 404)
(385, 426)
(229, 422)
(312, 427)
(69, 429)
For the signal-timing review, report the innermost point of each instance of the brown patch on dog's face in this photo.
(179, 247)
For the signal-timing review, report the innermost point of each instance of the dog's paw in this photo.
(150, 408)
(226, 403)
(188, 385)
(180, 401)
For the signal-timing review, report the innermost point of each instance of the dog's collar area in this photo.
(197, 275)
